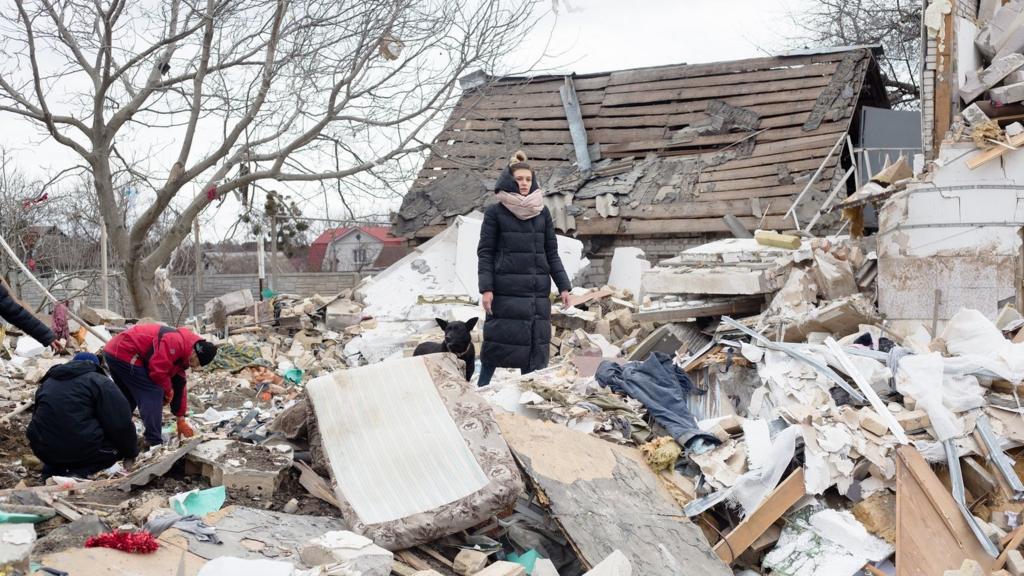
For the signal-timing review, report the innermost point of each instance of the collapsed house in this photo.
(656, 158)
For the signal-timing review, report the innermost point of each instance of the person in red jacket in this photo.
(148, 363)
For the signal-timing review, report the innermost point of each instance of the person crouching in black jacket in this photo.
(81, 422)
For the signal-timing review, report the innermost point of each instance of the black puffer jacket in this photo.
(80, 418)
(517, 260)
(23, 319)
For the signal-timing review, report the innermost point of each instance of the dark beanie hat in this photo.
(205, 351)
(86, 357)
(507, 182)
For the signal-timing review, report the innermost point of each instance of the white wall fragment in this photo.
(829, 542)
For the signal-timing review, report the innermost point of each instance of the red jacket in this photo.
(168, 359)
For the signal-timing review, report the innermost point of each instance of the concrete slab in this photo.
(240, 466)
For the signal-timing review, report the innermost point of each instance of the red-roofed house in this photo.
(351, 249)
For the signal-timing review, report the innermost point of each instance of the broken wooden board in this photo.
(995, 152)
(931, 533)
(774, 506)
(107, 562)
(605, 498)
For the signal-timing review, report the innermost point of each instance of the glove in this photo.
(184, 430)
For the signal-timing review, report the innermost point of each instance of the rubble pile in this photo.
(739, 409)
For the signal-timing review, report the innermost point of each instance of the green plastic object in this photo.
(199, 502)
(527, 560)
(14, 518)
(294, 376)
(267, 293)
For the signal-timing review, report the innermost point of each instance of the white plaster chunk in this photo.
(355, 553)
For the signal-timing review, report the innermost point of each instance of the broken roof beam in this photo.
(574, 115)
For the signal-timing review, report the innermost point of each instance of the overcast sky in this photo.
(585, 36)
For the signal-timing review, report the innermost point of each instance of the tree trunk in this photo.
(141, 284)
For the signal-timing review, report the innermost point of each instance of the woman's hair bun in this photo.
(518, 158)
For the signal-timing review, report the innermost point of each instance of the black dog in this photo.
(457, 340)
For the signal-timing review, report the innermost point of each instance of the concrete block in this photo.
(974, 115)
(1007, 94)
(97, 316)
(141, 512)
(872, 422)
(16, 542)
(544, 567)
(987, 10)
(353, 553)
(469, 562)
(239, 466)
(1015, 563)
(977, 83)
(503, 569)
(616, 564)
(341, 314)
(434, 573)
(913, 420)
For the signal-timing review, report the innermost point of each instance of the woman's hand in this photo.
(565, 300)
(58, 347)
(488, 299)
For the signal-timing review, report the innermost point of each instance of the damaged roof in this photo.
(672, 149)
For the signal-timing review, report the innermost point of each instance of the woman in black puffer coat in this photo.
(517, 259)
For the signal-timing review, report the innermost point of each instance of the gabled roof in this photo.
(683, 144)
(318, 248)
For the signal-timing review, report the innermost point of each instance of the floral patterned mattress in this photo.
(413, 452)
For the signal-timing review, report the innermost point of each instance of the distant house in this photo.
(355, 249)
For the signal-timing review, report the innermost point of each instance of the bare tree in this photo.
(894, 24)
(242, 90)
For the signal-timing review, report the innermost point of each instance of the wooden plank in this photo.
(699, 208)
(944, 85)
(769, 238)
(766, 192)
(544, 100)
(782, 96)
(642, 119)
(739, 306)
(545, 84)
(605, 497)
(994, 152)
(694, 225)
(931, 534)
(772, 159)
(824, 69)
(713, 68)
(598, 226)
(724, 173)
(716, 92)
(593, 110)
(774, 506)
(771, 135)
(548, 151)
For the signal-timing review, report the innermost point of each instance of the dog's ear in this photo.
(441, 323)
(471, 323)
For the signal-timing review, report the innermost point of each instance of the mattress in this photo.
(412, 451)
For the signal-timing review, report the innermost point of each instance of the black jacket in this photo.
(80, 417)
(23, 319)
(517, 260)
